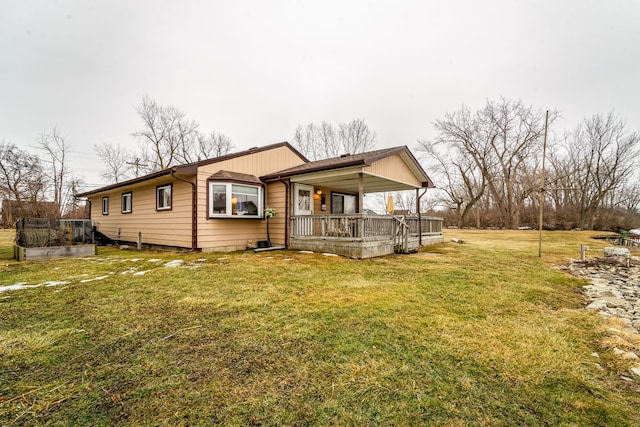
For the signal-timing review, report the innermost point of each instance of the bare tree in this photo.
(325, 141)
(22, 176)
(500, 139)
(602, 156)
(116, 161)
(154, 136)
(57, 150)
(356, 137)
(169, 137)
(215, 144)
(463, 185)
(306, 140)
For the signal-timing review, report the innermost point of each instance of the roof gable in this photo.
(360, 159)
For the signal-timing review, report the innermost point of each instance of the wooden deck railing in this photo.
(361, 226)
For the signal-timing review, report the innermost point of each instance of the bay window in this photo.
(227, 199)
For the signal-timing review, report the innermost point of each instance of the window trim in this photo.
(122, 197)
(229, 194)
(105, 206)
(164, 208)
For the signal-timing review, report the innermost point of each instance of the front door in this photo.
(302, 206)
(303, 201)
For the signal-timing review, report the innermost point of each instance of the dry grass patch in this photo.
(480, 333)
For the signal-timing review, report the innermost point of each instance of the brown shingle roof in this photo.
(191, 168)
(223, 175)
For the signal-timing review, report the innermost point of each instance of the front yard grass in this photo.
(480, 333)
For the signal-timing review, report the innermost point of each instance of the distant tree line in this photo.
(488, 165)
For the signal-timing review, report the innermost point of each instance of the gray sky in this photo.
(254, 70)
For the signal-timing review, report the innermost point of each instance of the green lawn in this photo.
(480, 333)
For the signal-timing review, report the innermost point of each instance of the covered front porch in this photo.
(325, 204)
(363, 236)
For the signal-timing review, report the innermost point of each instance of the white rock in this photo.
(597, 305)
(175, 263)
(614, 251)
(635, 371)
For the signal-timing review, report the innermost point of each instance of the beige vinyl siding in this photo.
(170, 228)
(258, 164)
(228, 234)
(276, 198)
(394, 168)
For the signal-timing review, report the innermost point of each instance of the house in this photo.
(218, 204)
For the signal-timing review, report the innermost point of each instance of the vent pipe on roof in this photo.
(345, 155)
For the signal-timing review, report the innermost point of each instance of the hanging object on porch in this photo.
(390, 208)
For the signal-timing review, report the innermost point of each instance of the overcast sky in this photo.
(254, 70)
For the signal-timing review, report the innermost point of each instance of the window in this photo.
(163, 198)
(105, 206)
(343, 203)
(126, 203)
(234, 200)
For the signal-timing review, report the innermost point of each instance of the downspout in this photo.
(287, 220)
(420, 215)
(194, 209)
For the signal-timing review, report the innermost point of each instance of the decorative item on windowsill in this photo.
(269, 213)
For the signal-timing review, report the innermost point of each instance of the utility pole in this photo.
(542, 184)
(137, 164)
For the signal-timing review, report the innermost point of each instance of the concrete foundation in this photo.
(357, 248)
(29, 254)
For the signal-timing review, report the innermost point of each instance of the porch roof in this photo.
(342, 173)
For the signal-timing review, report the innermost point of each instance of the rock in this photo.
(617, 351)
(630, 356)
(615, 251)
(615, 302)
(175, 263)
(627, 379)
(614, 289)
(635, 371)
(596, 355)
(597, 305)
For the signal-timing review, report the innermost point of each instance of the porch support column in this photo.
(360, 192)
(360, 202)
